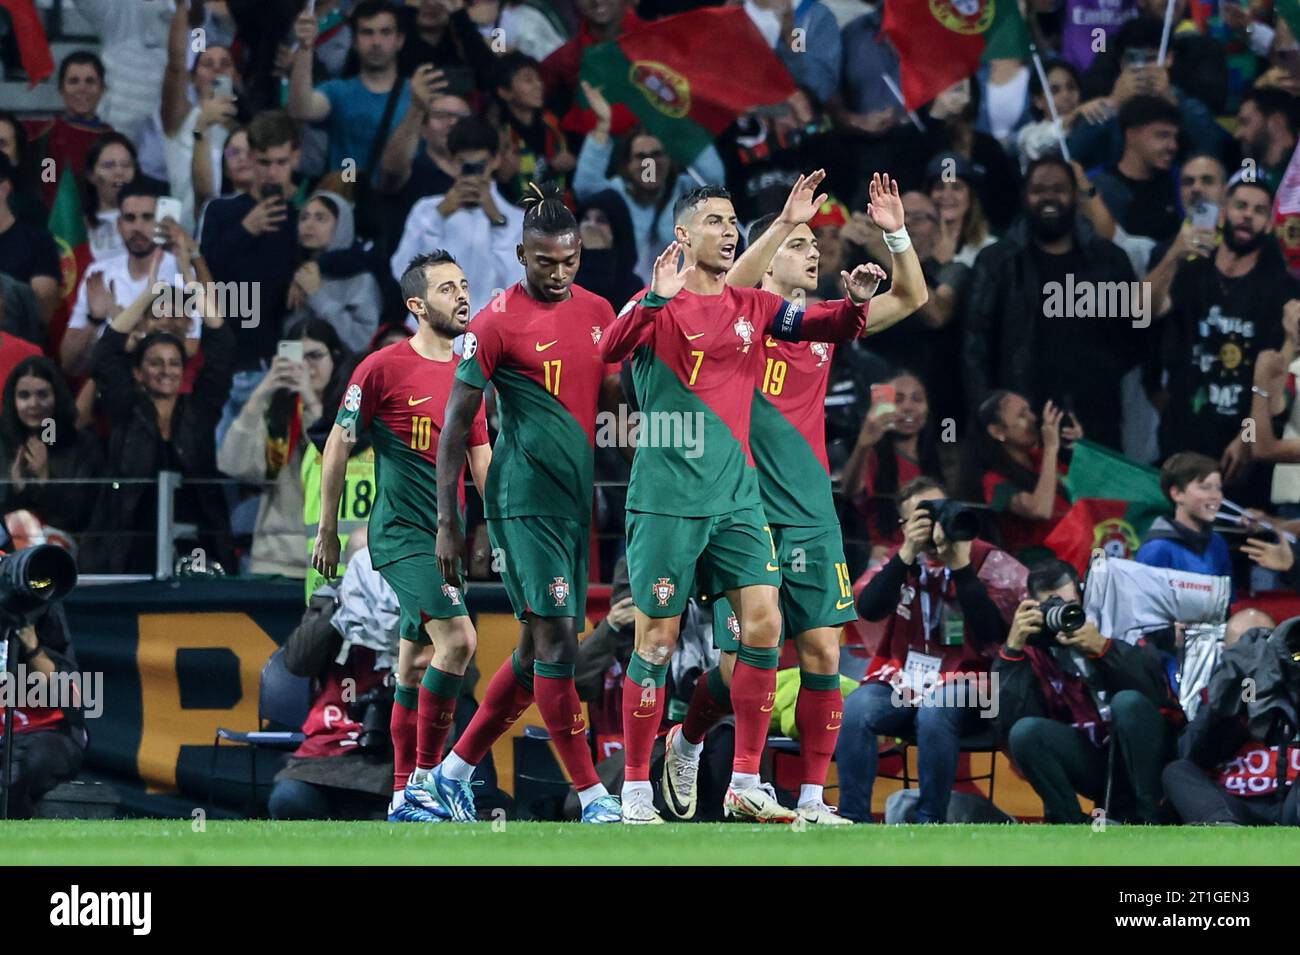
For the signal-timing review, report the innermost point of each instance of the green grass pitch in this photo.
(172, 842)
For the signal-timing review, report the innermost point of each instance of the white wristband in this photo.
(898, 241)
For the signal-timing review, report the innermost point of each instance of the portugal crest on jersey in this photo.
(559, 589)
(733, 625)
(964, 16)
(663, 590)
(452, 594)
(744, 330)
(822, 352)
(595, 334)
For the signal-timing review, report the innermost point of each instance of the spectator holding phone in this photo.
(251, 239)
(113, 283)
(265, 444)
(351, 304)
(416, 162)
(472, 220)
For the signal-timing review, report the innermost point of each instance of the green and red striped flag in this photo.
(940, 42)
(68, 227)
(689, 76)
(1115, 501)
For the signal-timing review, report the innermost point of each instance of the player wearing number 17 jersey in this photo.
(538, 343)
(788, 438)
(398, 394)
(696, 344)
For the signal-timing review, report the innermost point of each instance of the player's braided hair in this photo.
(545, 212)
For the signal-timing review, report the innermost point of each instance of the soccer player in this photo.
(399, 394)
(697, 344)
(538, 343)
(788, 439)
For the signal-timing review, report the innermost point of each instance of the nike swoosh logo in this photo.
(841, 605)
(412, 402)
(772, 567)
(541, 347)
(832, 728)
(769, 343)
(579, 729)
(765, 709)
(691, 338)
(642, 716)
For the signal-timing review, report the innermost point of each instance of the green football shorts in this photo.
(422, 594)
(543, 563)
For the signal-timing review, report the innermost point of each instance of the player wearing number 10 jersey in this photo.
(398, 394)
(788, 438)
(538, 343)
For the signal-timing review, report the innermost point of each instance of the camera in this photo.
(1059, 616)
(373, 711)
(473, 168)
(959, 522)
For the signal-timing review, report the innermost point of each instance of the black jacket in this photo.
(68, 507)
(1121, 666)
(1004, 308)
(136, 450)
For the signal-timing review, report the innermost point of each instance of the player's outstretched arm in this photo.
(908, 291)
(634, 325)
(334, 466)
(800, 206)
(450, 547)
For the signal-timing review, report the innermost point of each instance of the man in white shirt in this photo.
(124, 278)
(471, 220)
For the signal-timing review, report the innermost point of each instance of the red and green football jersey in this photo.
(544, 359)
(788, 433)
(400, 397)
(694, 364)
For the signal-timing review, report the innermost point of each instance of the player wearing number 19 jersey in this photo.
(398, 394)
(696, 345)
(538, 344)
(788, 438)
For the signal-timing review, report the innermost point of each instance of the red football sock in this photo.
(402, 726)
(642, 714)
(705, 709)
(505, 701)
(817, 714)
(557, 698)
(753, 693)
(438, 693)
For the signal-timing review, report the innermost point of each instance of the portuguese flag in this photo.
(68, 227)
(33, 47)
(1115, 501)
(688, 77)
(940, 42)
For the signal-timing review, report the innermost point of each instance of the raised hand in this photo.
(886, 206)
(598, 104)
(1051, 427)
(101, 301)
(669, 277)
(862, 283)
(804, 200)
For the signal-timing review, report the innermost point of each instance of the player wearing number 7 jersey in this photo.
(697, 345)
(399, 394)
(788, 438)
(538, 343)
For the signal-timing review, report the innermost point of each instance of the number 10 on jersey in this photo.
(421, 432)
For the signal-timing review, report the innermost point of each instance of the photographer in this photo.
(942, 623)
(49, 741)
(344, 769)
(1241, 754)
(1067, 694)
(472, 220)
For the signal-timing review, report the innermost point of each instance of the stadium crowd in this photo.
(291, 160)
